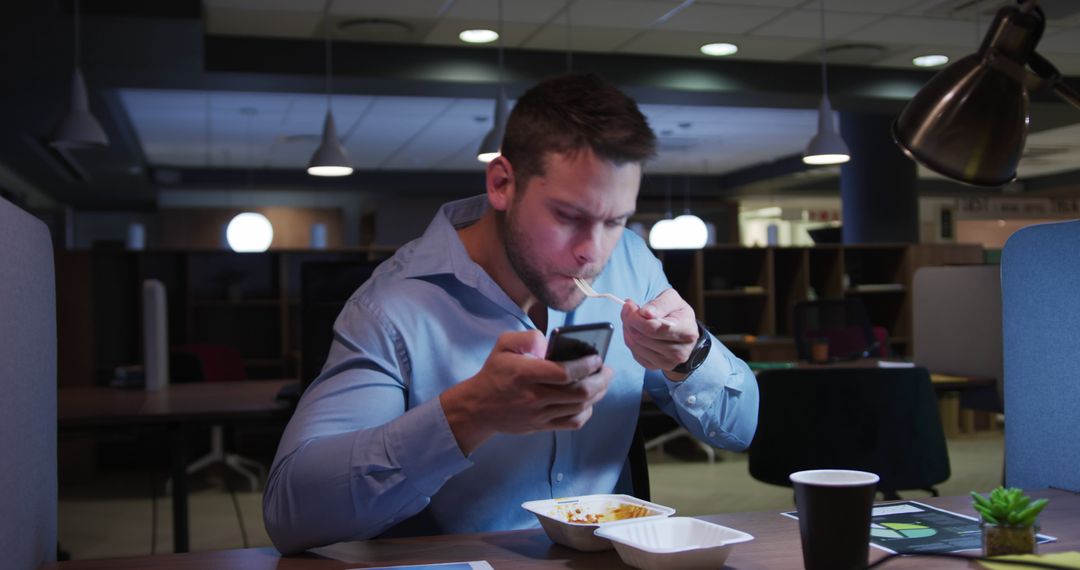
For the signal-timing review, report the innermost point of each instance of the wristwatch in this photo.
(698, 354)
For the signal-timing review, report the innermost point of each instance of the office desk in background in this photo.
(954, 419)
(775, 546)
(174, 408)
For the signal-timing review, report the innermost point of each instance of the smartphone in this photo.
(576, 341)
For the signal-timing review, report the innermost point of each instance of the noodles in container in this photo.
(571, 521)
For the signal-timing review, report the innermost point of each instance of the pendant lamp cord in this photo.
(76, 9)
(824, 77)
(500, 12)
(329, 53)
(686, 194)
(667, 198)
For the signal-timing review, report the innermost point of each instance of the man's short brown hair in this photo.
(572, 112)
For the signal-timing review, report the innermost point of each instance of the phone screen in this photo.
(576, 341)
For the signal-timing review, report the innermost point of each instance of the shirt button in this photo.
(558, 477)
(712, 434)
(691, 400)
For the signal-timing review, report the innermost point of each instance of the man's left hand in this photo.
(661, 333)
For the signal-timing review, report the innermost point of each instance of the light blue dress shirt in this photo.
(369, 451)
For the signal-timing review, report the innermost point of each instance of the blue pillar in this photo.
(878, 193)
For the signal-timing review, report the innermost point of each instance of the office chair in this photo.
(882, 420)
(325, 286)
(28, 407)
(214, 363)
(842, 322)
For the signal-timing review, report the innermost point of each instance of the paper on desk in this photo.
(357, 551)
(478, 565)
(911, 527)
(1062, 559)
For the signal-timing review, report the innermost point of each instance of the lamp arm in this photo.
(1067, 94)
(1046, 70)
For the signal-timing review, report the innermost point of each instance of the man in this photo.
(436, 411)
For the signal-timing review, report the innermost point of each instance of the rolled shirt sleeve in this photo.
(717, 403)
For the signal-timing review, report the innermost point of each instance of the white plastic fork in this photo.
(590, 292)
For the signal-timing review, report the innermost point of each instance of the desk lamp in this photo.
(970, 120)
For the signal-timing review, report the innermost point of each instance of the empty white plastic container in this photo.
(676, 542)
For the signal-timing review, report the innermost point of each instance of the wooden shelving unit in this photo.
(251, 300)
(247, 300)
(744, 293)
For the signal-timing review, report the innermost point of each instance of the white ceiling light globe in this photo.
(249, 232)
(684, 232)
(693, 233)
(662, 235)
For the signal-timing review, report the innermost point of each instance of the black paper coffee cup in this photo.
(834, 517)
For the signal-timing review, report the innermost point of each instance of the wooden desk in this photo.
(776, 546)
(174, 408)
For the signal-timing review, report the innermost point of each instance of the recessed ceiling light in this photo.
(930, 60)
(478, 36)
(719, 49)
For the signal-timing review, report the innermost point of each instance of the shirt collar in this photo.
(440, 251)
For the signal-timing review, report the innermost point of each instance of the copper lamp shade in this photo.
(970, 121)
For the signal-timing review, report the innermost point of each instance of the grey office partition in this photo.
(1040, 285)
(28, 384)
(956, 314)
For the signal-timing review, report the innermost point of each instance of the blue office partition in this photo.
(28, 495)
(1040, 285)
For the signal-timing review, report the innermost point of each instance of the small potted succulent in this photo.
(1008, 521)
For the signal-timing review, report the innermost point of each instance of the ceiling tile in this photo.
(628, 14)
(405, 9)
(905, 30)
(807, 24)
(583, 38)
(533, 11)
(866, 6)
(768, 3)
(719, 19)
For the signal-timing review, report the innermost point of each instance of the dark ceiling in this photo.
(162, 44)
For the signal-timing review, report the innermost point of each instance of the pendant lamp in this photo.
(492, 143)
(79, 128)
(827, 146)
(249, 232)
(970, 121)
(330, 159)
(683, 232)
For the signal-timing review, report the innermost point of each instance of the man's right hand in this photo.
(518, 391)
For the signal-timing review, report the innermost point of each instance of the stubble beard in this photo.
(519, 252)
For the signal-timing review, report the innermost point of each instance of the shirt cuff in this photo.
(425, 448)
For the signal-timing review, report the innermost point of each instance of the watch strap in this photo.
(698, 354)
